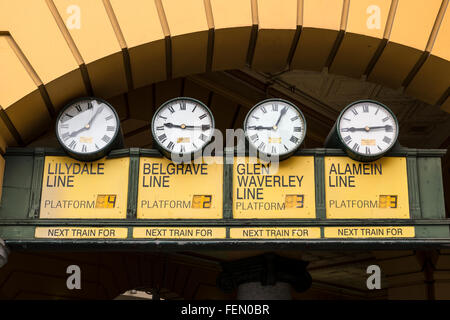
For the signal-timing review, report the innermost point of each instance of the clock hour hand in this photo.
(353, 129)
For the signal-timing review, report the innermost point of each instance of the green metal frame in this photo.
(19, 208)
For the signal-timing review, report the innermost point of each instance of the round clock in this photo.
(182, 126)
(275, 127)
(367, 129)
(88, 128)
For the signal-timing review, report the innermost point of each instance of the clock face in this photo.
(183, 126)
(87, 127)
(367, 128)
(275, 127)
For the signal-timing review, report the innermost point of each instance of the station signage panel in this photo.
(284, 190)
(168, 190)
(84, 190)
(366, 190)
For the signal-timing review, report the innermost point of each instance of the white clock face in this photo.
(368, 128)
(275, 127)
(87, 126)
(183, 126)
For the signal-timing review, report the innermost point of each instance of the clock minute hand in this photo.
(100, 109)
(282, 113)
(259, 128)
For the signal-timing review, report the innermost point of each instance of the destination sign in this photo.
(179, 233)
(371, 190)
(275, 233)
(168, 190)
(84, 190)
(370, 232)
(80, 233)
(281, 191)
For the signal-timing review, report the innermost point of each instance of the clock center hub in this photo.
(183, 126)
(367, 128)
(87, 126)
(275, 127)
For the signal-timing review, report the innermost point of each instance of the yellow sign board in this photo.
(275, 233)
(179, 233)
(168, 190)
(84, 190)
(274, 190)
(370, 232)
(372, 190)
(80, 233)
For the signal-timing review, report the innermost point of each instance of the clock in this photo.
(275, 127)
(88, 128)
(367, 130)
(183, 127)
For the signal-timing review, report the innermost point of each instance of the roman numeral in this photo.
(90, 105)
(378, 109)
(68, 115)
(356, 147)
(182, 148)
(297, 129)
(162, 138)
(171, 109)
(354, 111)
(344, 129)
(347, 139)
(254, 137)
(293, 139)
(106, 138)
(294, 118)
(346, 118)
(365, 108)
(367, 150)
(275, 107)
(385, 119)
(195, 147)
(285, 147)
(109, 117)
(64, 126)
(262, 146)
(263, 108)
(78, 107)
(183, 105)
(203, 116)
(203, 137)
(72, 144)
(170, 145)
(162, 117)
(274, 150)
(84, 148)
(160, 128)
(387, 139)
(110, 128)
(65, 136)
(96, 146)
(195, 106)
(389, 128)
(256, 118)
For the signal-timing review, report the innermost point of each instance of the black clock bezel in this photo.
(359, 156)
(95, 155)
(168, 153)
(281, 156)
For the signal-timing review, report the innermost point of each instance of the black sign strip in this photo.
(133, 183)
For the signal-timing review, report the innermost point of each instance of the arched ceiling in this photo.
(48, 58)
